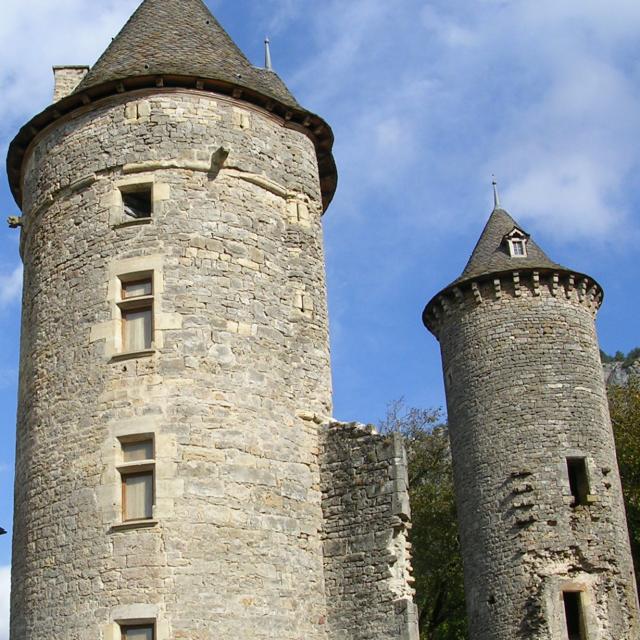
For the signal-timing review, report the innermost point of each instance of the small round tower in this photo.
(541, 516)
(174, 331)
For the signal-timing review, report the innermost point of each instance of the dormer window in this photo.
(517, 248)
(517, 242)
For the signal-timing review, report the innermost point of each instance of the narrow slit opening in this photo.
(574, 615)
(578, 480)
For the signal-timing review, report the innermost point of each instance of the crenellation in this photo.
(521, 284)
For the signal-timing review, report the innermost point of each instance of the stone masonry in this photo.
(365, 501)
(253, 532)
(525, 393)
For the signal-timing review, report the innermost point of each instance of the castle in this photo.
(178, 474)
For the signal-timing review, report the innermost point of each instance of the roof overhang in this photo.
(312, 125)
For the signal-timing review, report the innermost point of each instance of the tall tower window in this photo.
(574, 615)
(578, 480)
(136, 311)
(137, 632)
(137, 474)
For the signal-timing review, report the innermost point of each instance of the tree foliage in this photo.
(626, 360)
(437, 562)
(624, 405)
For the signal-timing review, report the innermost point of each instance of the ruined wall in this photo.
(525, 391)
(365, 503)
(239, 345)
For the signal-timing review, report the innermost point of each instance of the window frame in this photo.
(519, 238)
(126, 627)
(147, 187)
(133, 469)
(141, 303)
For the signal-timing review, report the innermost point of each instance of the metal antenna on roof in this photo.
(496, 197)
(267, 54)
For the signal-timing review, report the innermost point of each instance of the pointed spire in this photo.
(491, 254)
(267, 54)
(496, 197)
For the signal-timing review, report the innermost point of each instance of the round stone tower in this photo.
(174, 332)
(542, 521)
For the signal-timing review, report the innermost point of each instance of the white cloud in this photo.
(5, 590)
(432, 100)
(34, 34)
(11, 286)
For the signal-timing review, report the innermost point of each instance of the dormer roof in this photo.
(491, 253)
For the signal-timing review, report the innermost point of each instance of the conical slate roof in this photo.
(491, 253)
(491, 258)
(181, 38)
(178, 43)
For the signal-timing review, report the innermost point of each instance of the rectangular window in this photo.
(136, 312)
(578, 480)
(137, 473)
(136, 329)
(137, 496)
(137, 202)
(137, 451)
(574, 615)
(518, 247)
(137, 632)
(136, 288)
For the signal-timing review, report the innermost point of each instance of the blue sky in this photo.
(427, 99)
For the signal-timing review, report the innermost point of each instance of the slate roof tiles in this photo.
(181, 37)
(491, 253)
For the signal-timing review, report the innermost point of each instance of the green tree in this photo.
(624, 404)
(437, 561)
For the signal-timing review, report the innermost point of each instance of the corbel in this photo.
(555, 283)
(516, 283)
(497, 288)
(476, 292)
(536, 283)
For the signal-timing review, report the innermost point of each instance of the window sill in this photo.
(132, 355)
(135, 524)
(135, 222)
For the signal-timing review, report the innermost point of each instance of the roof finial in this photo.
(496, 197)
(267, 54)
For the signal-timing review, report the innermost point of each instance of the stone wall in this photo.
(525, 391)
(240, 343)
(365, 503)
